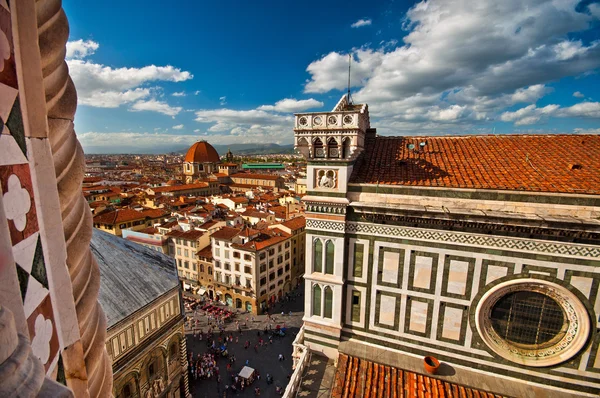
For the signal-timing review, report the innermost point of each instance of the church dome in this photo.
(202, 152)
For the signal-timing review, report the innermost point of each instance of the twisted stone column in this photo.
(69, 164)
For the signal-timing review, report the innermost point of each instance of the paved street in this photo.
(264, 359)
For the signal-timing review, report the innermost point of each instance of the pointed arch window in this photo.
(328, 312)
(316, 300)
(319, 150)
(329, 256)
(318, 256)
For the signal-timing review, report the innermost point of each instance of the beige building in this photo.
(296, 228)
(183, 246)
(252, 268)
(115, 221)
(141, 297)
(245, 181)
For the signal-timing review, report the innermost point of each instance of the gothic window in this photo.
(329, 256)
(346, 148)
(355, 306)
(332, 148)
(319, 151)
(328, 313)
(318, 256)
(316, 300)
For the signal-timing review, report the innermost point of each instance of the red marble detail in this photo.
(46, 337)
(23, 173)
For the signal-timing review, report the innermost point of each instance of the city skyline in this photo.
(236, 74)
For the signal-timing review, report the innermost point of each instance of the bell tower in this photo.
(331, 143)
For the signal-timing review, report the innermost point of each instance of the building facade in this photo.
(483, 251)
(145, 340)
(252, 268)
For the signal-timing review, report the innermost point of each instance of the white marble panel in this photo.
(452, 323)
(423, 267)
(390, 270)
(583, 284)
(387, 310)
(418, 316)
(457, 277)
(495, 272)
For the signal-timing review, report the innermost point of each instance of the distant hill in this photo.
(250, 149)
(255, 149)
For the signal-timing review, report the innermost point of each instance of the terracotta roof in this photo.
(229, 164)
(206, 252)
(118, 216)
(188, 235)
(360, 378)
(202, 152)
(539, 163)
(295, 223)
(176, 188)
(256, 176)
(226, 233)
(239, 199)
(265, 239)
(154, 213)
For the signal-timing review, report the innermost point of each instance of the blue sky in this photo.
(151, 77)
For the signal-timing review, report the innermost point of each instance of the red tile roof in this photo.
(538, 163)
(188, 235)
(226, 233)
(295, 223)
(364, 379)
(176, 188)
(118, 216)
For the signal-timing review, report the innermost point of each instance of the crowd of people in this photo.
(204, 366)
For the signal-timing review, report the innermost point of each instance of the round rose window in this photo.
(532, 322)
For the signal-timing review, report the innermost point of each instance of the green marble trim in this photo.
(334, 346)
(328, 195)
(310, 332)
(483, 250)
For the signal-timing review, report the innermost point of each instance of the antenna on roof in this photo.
(348, 98)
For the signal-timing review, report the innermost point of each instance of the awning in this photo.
(246, 372)
(220, 293)
(186, 286)
(201, 291)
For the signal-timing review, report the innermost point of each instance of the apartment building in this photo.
(183, 246)
(252, 268)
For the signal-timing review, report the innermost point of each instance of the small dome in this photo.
(202, 152)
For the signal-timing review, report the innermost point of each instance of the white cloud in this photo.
(107, 87)
(156, 106)
(178, 127)
(197, 131)
(532, 114)
(455, 54)
(197, 92)
(223, 100)
(578, 94)
(179, 94)
(292, 105)
(81, 49)
(361, 22)
(586, 131)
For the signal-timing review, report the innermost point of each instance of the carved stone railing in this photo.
(69, 164)
(300, 356)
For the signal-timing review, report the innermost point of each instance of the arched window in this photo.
(328, 313)
(346, 148)
(210, 270)
(332, 148)
(173, 351)
(126, 392)
(329, 256)
(201, 267)
(319, 151)
(318, 256)
(316, 303)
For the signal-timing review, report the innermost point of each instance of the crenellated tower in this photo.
(331, 142)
